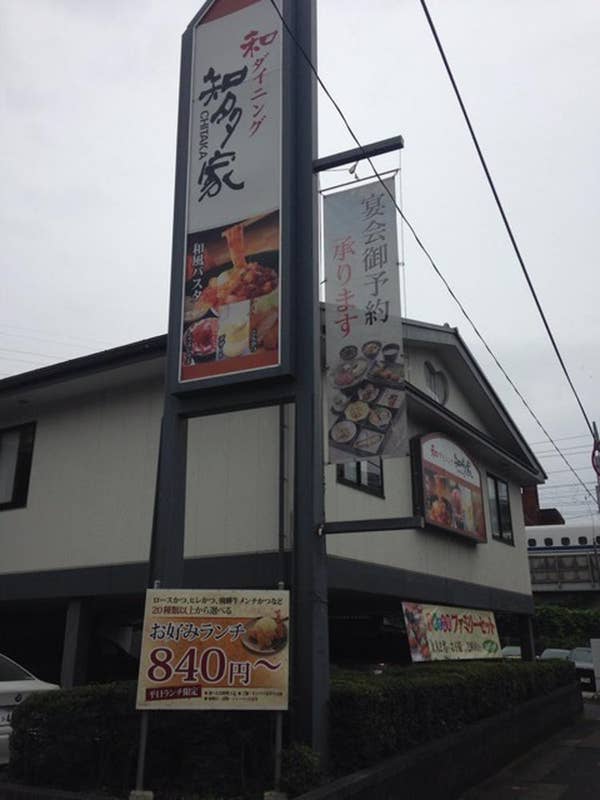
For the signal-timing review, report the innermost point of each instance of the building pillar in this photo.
(526, 637)
(73, 670)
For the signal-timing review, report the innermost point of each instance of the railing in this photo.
(550, 568)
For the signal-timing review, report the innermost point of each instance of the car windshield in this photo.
(582, 654)
(9, 671)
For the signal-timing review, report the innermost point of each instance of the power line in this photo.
(503, 215)
(420, 244)
(561, 439)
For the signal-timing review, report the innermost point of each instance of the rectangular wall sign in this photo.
(437, 633)
(215, 649)
(232, 295)
(450, 487)
(365, 360)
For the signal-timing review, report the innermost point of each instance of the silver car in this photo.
(16, 683)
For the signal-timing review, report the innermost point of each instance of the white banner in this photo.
(232, 295)
(365, 359)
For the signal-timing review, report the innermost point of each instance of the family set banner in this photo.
(364, 352)
(232, 284)
(438, 633)
(215, 649)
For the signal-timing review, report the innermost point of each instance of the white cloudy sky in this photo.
(88, 96)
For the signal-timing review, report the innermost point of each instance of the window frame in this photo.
(362, 487)
(506, 537)
(22, 472)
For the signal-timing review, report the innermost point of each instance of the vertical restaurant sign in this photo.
(215, 649)
(365, 360)
(232, 284)
(437, 633)
(452, 490)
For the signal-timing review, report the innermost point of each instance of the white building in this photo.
(78, 457)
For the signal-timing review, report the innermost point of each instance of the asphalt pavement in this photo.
(564, 767)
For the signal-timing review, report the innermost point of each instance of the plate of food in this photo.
(339, 401)
(390, 373)
(349, 373)
(266, 635)
(380, 417)
(343, 432)
(368, 392)
(368, 441)
(371, 349)
(357, 410)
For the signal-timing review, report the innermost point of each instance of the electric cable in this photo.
(511, 235)
(436, 269)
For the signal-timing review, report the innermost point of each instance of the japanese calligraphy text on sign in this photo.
(365, 360)
(437, 633)
(232, 284)
(215, 649)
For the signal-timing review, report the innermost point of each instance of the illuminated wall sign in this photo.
(365, 360)
(215, 649)
(233, 278)
(448, 488)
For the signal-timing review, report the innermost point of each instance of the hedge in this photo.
(374, 718)
(86, 738)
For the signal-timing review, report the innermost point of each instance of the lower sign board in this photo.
(437, 633)
(215, 649)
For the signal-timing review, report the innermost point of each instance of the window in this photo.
(16, 450)
(582, 540)
(500, 510)
(548, 541)
(531, 543)
(436, 382)
(364, 475)
(565, 541)
(597, 539)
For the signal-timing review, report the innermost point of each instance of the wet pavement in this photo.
(564, 767)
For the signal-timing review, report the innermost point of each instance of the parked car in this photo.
(511, 651)
(554, 652)
(16, 683)
(584, 667)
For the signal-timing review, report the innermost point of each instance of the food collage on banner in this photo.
(365, 360)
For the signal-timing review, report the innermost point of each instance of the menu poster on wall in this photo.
(449, 488)
(232, 285)
(364, 352)
(437, 633)
(215, 649)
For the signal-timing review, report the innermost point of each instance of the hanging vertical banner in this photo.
(365, 360)
(232, 284)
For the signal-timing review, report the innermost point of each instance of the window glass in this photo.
(548, 542)
(583, 540)
(9, 451)
(9, 671)
(499, 505)
(597, 539)
(565, 541)
(16, 450)
(531, 543)
(365, 475)
(494, 516)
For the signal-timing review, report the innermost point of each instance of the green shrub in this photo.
(558, 626)
(375, 716)
(87, 738)
(300, 770)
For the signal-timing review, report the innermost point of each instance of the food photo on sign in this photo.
(231, 305)
(448, 487)
(215, 649)
(364, 349)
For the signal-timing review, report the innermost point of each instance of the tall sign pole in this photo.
(311, 661)
(244, 309)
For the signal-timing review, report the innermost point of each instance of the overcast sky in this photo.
(88, 104)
